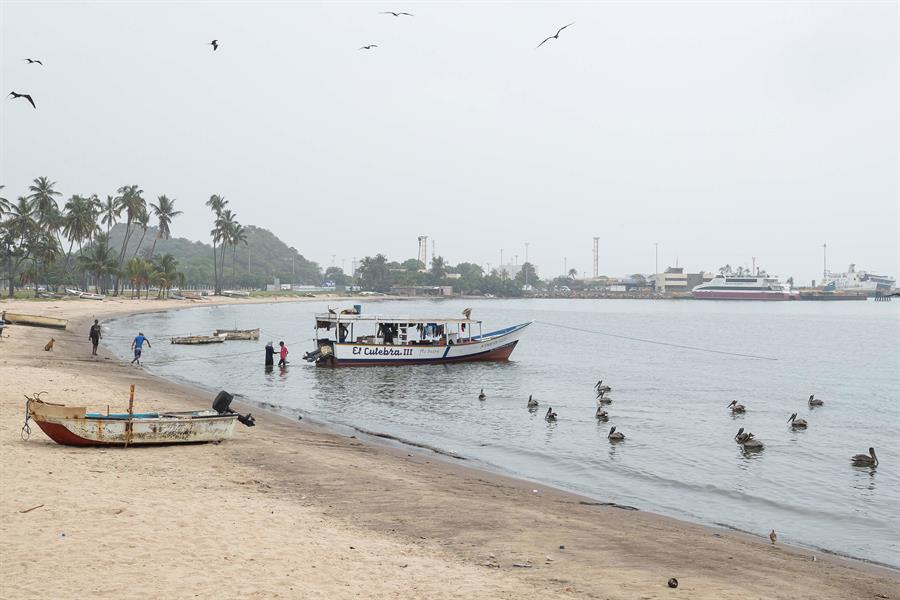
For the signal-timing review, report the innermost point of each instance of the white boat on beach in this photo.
(85, 295)
(350, 339)
(236, 293)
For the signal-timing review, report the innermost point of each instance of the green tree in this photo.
(100, 260)
(216, 204)
(164, 211)
(373, 273)
(111, 212)
(130, 201)
(413, 265)
(19, 236)
(438, 269)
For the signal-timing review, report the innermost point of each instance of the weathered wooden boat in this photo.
(85, 295)
(408, 340)
(73, 292)
(197, 339)
(236, 293)
(237, 334)
(191, 295)
(34, 320)
(74, 426)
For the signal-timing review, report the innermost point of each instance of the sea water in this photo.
(679, 457)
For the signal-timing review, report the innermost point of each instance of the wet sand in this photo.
(292, 509)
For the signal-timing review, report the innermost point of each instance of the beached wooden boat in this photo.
(197, 339)
(34, 320)
(74, 426)
(407, 340)
(237, 334)
(236, 293)
(191, 295)
(84, 295)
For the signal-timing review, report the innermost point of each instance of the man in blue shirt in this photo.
(137, 345)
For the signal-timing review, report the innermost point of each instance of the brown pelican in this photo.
(735, 407)
(615, 436)
(813, 401)
(797, 423)
(602, 398)
(531, 402)
(751, 443)
(865, 460)
(481, 396)
(601, 415)
(741, 437)
(602, 388)
(550, 416)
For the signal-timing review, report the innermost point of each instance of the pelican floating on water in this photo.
(735, 407)
(602, 398)
(532, 402)
(481, 396)
(865, 460)
(550, 416)
(797, 423)
(751, 443)
(740, 437)
(602, 388)
(615, 436)
(813, 401)
(601, 415)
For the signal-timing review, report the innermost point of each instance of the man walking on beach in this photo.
(284, 352)
(137, 346)
(94, 336)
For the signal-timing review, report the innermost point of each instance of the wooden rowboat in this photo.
(198, 339)
(237, 334)
(34, 320)
(74, 426)
(236, 293)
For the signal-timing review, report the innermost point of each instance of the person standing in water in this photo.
(137, 345)
(283, 354)
(270, 356)
(94, 336)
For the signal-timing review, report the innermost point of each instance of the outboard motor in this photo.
(222, 405)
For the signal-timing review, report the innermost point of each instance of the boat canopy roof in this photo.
(352, 318)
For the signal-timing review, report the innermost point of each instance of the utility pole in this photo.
(565, 266)
(525, 266)
(824, 261)
(596, 258)
(502, 270)
(656, 258)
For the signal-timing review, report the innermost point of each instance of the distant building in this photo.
(673, 280)
(422, 290)
(695, 279)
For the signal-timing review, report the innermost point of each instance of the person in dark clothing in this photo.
(94, 336)
(270, 355)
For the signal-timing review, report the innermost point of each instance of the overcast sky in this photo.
(721, 131)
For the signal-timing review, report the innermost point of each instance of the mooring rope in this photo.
(656, 342)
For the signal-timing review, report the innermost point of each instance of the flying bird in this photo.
(369, 47)
(26, 96)
(33, 60)
(555, 37)
(214, 44)
(396, 14)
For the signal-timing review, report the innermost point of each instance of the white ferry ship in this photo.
(857, 281)
(760, 287)
(346, 338)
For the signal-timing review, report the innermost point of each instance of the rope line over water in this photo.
(656, 342)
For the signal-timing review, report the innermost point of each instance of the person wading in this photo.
(283, 354)
(270, 355)
(137, 345)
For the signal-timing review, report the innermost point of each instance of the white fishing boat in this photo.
(85, 295)
(237, 334)
(349, 339)
(236, 293)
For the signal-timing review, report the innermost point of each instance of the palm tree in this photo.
(142, 219)
(164, 213)
(111, 211)
(78, 223)
(167, 274)
(225, 225)
(42, 197)
(217, 204)
(238, 236)
(131, 203)
(4, 204)
(19, 231)
(100, 261)
(573, 273)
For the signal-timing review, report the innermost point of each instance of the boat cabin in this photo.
(378, 330)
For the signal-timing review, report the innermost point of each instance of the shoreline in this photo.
(390, 496)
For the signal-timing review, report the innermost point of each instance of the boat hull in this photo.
(63, 426)
(237, 334)
(496, 346)
(34, 320)
(742, 295)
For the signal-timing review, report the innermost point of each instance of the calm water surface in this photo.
(679, 457)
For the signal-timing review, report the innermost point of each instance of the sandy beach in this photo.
(290, 509)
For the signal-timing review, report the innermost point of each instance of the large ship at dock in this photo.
(733, 287)
(857, 281)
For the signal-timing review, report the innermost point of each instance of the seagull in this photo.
(369, 47)
(32, 60)
(555, 37)
(396, 14)
(26, 96)
(214, 44)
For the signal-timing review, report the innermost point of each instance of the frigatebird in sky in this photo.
(396, 14)
(555, 37)
(33, 60)
(214, 44)
(369, 47)
(26, 96)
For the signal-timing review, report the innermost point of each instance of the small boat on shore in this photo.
(197, 339)
(191, 295)
(33, 320)
(74, 426)
(237, 334)
(85, 295)
(407, 340)
(236, 293)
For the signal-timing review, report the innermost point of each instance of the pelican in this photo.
(797, 423)
(741, 437)
(602, 388)
(813, 401)
(615, 436)
(467, 313)
(550, 416)
(481, 396)
(865, 460)
(602, 398)
(735, 407)
(531, 402)
(601, 415)
(752, 443)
